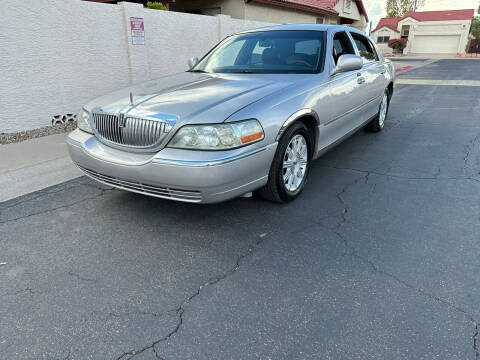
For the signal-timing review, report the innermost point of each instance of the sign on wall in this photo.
(137, 28)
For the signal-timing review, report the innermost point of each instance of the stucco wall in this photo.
(57, 55)
(384, 31)
(234, 8)
(259, 12)
(352, 14)
(419, 28)
(439, 28)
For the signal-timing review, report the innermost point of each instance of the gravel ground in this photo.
(7, 138)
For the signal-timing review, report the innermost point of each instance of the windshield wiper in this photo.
(197, 71)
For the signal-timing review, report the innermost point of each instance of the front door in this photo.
(346, 94)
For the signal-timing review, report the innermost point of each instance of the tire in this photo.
(378, 123)
(277, 189)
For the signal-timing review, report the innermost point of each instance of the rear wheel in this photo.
(378, 123)
(290, 165)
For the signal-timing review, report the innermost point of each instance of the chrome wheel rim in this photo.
(295, 162)
(383, 111)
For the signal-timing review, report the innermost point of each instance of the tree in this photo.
(396, 8)
(392, 8)
(476, 28)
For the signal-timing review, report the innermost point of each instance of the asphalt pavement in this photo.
(377, 259)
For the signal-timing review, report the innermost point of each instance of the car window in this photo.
(341, 46)
(308, 47)
(229, 56)
(364, 47)
(375, 50)
(268, 52)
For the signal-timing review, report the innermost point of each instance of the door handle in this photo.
(360, 80)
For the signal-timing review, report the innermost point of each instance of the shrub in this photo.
(155, 5)
(397, 44)
(476, 28)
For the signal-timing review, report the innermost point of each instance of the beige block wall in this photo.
(54, 67)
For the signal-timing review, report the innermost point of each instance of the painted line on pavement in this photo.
(403, 68)
(438, 82)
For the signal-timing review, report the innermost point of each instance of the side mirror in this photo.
(348, 62)
(192, 62)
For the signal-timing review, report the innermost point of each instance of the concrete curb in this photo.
(33, 165)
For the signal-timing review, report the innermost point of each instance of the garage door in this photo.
(431, 44)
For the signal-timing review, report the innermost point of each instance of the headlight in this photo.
(83, 121)
(217, 136)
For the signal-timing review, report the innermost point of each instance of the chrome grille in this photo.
(151, 190)
(133, 132)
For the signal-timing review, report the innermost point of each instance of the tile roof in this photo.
(391, 23)
(444, 15)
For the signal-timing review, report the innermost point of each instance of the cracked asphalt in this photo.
(378, 258)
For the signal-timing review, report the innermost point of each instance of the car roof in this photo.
(311, 27)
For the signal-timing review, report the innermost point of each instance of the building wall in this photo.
(254, 11)
(419, 28)
(234, 8)
(353, 14)
(360, 21)
(440, 28)
(262, 12)
(56, 55)
(384, 31)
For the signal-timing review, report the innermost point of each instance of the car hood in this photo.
(191, 97)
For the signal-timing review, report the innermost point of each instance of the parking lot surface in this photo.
(377, 259)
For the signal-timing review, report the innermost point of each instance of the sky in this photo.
(376, 8)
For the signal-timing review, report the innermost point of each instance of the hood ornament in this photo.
(131, 98)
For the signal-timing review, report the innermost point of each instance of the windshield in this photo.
(267, 52)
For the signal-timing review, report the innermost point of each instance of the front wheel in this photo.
(378, 122)
(290, 165)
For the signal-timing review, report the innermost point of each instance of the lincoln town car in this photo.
(250, 115)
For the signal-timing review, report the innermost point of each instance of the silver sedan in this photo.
(250, 115)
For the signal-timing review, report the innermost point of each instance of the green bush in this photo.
(155, 5)
(476, 28)
(397, 44)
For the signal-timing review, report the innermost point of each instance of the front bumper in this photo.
(183, 175)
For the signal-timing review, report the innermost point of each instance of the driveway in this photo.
(378, 259)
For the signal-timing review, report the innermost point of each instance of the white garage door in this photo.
(431, 44)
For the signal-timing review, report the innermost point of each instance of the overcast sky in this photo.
(376, 8)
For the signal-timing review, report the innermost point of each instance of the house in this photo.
(427, 32)
(349, 12)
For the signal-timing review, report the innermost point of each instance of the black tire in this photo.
(275, 190)
(375, 125)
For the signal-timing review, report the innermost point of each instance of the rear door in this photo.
(373, 74)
